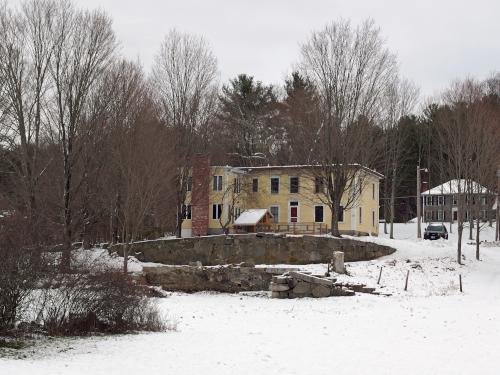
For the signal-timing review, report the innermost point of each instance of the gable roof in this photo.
(451, 187)
(251, 216)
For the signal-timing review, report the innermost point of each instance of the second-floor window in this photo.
(217, 183)
(319, 186)
(294, 185)
(236, 187)
(255, 184)
(275, 185)
(189, 183)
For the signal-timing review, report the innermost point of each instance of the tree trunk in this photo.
(460, 229)
(66, 251)
(471, 226)
(335, 221)
(178, 227)
(477, 239)
(125, 256)
(393, 199)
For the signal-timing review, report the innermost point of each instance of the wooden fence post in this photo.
(380, 275)
(406, 282)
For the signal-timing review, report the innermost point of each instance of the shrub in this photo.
(111, 302)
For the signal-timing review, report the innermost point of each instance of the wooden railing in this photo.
(293, 228)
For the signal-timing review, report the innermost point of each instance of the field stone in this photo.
(321, 291)
(278, 287)
(280, 279)
(302, 288)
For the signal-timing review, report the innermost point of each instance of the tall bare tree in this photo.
(400, 99)
(26, 48)
(84, 46)
(184, 79)
(351, 69)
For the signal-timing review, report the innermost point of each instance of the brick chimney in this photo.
(199, 201)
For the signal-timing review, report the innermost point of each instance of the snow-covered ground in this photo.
(430, 329)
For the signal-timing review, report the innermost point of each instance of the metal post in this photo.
(497, 235)
(419, 202)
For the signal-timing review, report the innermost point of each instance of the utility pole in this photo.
(419, 202)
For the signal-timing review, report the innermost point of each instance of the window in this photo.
(440, 215)
(428, 216)
(275, 211)
(373, 191)
(319, 186)
(455, 200)
(186, 211)
(217, 183)
(440, 200)
(216, 211)
(275, 185)
(318, 214)
(483, 201)
(236, 213)
(255, 184)
(294, 185)
(236, 185)
(360, 215)
(189, 183)
(429, 200)
(434, 200)
(340, 215)
(373, 218)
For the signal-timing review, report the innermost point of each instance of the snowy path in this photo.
(408, 333)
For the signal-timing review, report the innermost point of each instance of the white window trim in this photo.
(314, 213)
(277, 220)
(218, 213)
(290, 211)
(271, 185)
(255, 179)
(219, 179)
(440, 215)
(290, 184)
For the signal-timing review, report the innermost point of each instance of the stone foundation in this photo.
(256, 249)
(227, 279)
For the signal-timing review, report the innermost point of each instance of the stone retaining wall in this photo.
(257, 249)
(228, 279)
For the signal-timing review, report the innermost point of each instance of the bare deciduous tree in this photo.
(26, 48)
(351, 69)
(184, 82)
(400, 99)
(84, 46)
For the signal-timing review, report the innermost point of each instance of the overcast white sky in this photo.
(436, 41)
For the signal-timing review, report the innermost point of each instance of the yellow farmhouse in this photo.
(272, 199)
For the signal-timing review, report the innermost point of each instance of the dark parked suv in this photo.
(435, 231)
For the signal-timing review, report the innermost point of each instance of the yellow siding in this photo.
(368, 201)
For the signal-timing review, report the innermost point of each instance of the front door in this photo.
(294, 212)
